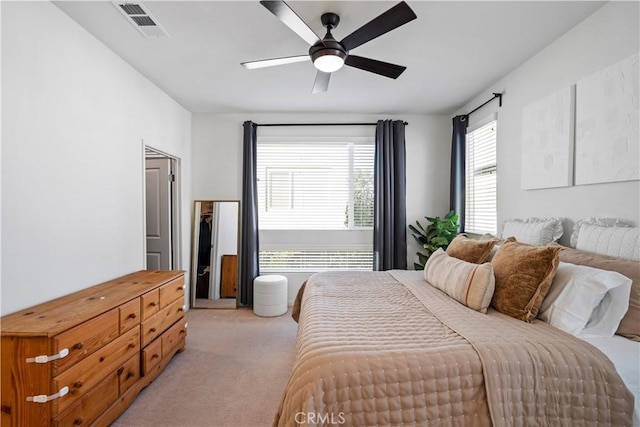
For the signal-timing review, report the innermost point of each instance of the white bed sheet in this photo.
(625, 355)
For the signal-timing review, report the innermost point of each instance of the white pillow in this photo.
(620, 242)
(534, 231)
(603, 222)
(586, 301)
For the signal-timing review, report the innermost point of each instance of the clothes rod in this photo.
(495, 95)
(318, 124)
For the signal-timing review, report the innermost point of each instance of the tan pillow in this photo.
(630, 324)
(468, 283)
(523, 277)
(470, 250)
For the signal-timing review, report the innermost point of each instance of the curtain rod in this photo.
(495, 95)
(318, 124)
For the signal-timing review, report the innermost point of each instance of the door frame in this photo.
(176, 197)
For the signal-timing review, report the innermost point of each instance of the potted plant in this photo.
(438, 234)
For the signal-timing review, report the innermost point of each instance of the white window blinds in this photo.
(315, 205)
(315, 186)
(481, 170)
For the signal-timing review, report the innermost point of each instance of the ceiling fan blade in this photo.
(250, 65)
(398, 15)
(373, 66)
(322, 82)
(283, 12)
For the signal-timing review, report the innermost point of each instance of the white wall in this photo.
(217, 158)
(74, 117)
(609, 35)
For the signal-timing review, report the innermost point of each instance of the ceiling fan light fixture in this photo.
(328, 63)
(328, 60)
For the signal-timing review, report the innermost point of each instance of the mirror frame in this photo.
(194, 253)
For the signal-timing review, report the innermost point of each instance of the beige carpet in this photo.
(232, 373)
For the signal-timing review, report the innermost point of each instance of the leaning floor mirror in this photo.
(214, 254)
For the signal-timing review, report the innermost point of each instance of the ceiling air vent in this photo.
(139, 16)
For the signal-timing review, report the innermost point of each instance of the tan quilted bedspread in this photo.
(386, 348)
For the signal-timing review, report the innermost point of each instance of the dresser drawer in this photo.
(151, 356)
(173, 337)
(150, 304)
(86, 374)
(129, 315)
(85, 339)
(94, 403)
(129, 373)
(160, 321)
(172, 291)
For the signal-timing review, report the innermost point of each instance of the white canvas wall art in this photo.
(607, 137)
(547, 141)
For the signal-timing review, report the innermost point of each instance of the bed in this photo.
(388, 348)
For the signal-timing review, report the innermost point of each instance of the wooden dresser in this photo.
(81, 359)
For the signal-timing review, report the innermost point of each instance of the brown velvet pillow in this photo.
(523, 276)
(630, 324)
(470, 250)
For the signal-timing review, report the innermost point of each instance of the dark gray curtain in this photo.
(249, 266)
(458, 169)
(390, 216)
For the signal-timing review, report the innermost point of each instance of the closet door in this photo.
(158, 207)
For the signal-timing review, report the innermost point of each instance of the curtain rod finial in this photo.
(499, 96)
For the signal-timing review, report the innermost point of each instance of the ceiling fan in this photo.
(329, 55)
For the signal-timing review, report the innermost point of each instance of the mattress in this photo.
(625, 356)
(387, 348)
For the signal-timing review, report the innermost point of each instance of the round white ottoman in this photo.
(270, 295)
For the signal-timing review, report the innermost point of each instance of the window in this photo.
(315, 209)
(481, 200)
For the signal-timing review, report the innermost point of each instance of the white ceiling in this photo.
(452, 51)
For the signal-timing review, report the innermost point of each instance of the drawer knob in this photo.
(78, 346)
(130, 375)
(120, 370)
(131, 345)
(132, 316)
(152, 303)
(152, 330)
(78, 421)
(155, 356)
(78, 384)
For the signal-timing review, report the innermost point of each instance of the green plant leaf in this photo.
(419, 232)
(438, 233)
(439, 241)
(419, 240)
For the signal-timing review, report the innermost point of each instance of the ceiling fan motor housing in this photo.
(327, 47)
